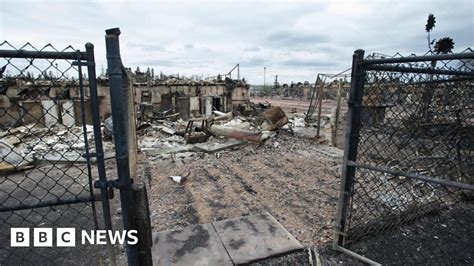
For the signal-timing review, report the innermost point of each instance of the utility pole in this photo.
(238, 71)
(264, 75)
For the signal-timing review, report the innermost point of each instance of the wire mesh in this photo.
(417, 119)
(45, 137)
(328, 87)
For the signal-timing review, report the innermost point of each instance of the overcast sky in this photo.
(295, 40)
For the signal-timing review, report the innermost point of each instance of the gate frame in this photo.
(352, 136)
(133, 196)
(79, 59)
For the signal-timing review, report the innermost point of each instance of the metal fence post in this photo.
(119, 102)
(99, 150)
(350, 145)
(142, 220)
(336, 116)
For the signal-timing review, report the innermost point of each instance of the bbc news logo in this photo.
(66, 237)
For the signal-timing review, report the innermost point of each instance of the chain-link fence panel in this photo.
(46, 169)
(409, 160)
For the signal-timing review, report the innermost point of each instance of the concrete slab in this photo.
(215, 147)
(194, 245)
(255, 237)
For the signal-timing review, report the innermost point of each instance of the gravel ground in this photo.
(286, 177)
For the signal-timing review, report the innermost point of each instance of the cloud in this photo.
(146, 46)
(154, 62)
(253, 61)
(293, 40)
(308, 62)
(252, 49)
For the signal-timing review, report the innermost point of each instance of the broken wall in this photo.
(190, 100)
(48, 103)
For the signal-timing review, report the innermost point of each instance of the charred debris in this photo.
(176, 117)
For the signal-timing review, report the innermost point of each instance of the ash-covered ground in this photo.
(292, 178)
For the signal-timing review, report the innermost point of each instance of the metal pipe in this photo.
(43, 54)
(418, 58)
(435, 81)
(320, 103)
(119, 99)
(86, 142)
(236, 133)
(351, 143)
(414, 176)
(310, 107)
(403, 69)
(94, 103)
(336, 115)
(340, 74)
(57, 202)
(355, 255)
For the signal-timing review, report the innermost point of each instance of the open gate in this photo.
(51, 151)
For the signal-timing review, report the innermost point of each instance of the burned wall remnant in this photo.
(45, 102)
(192, 98)
(23, 101)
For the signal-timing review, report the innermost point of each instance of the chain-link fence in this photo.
(328, 87)
(46, 145)
(328, 96)
(408, 176)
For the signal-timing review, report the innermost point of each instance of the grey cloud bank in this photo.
(293, 40)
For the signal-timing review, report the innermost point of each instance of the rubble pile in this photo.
(165, 139)
(168, 138)
(23, 146)
(159, 138)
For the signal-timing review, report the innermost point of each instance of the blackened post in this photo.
(142, 220)
(320, 106)
(119, 103)
(351, 144)
(98, 143)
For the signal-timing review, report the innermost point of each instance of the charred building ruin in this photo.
(51, 101)
(190, 98)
